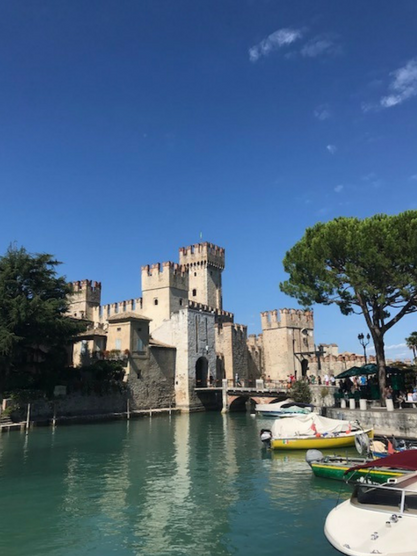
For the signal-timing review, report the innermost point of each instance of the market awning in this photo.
(369, 369)
(353, 371)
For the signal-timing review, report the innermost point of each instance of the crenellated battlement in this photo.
(287, 318)
(222, 316)
(202, 254)
(86, 295)
(86, 285)
(236, 328)
(157, 268)
(167, 274)
(127, 306)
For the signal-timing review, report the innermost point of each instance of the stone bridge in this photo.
(236, 398)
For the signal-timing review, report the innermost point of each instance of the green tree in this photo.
(363, 266)
(411, 342)
(300, 392)
(34, 331)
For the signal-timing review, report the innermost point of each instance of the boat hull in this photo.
(364, 533)
(337, 472)
(318, 442)
(280, 414)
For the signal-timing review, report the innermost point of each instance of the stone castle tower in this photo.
(85, 300)
(164, 291)
(205, 263)
(288, 340)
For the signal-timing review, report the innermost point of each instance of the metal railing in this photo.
(386, 498)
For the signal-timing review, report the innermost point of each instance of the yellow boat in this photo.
(312, 432)
(308, 442)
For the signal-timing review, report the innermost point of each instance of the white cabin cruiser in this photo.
(286, 408)
(378, 519)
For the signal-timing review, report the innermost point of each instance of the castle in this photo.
(177, 337)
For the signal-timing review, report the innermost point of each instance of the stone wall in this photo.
(317, 392)
(152, 385)
(192, 333)
(231, 344)
(77, 405)
(401, 423)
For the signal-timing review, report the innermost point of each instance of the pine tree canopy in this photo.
(365, 266)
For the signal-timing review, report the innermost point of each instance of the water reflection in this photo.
(165, 491)
(187, 485)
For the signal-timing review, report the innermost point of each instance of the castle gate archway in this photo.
(201, 372)
(304, 367)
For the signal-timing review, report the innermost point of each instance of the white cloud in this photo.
(395, 351)
(319, 46)
(369, 177)
(331, 148)
(323, 211)
(278, 39)
(403, 85)
(339, 188)
(369, 107)
(322, 112)
(373, 180)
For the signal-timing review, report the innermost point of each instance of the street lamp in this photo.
(364, 341)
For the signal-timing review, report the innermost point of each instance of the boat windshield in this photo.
(385, 498)
(377, 498)
(410, 503)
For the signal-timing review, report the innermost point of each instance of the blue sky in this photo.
(127, 128)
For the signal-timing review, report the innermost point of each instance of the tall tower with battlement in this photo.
(205, 263)
(288, 341)
(164, 291)
(85, 299)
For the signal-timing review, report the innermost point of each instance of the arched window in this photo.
(194, 293)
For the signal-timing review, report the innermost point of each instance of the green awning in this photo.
(353, 371)
(369, 369)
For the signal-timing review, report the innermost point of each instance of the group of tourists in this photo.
(401, 397)
(326, 380)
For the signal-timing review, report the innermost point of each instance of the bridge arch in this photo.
(237, 403)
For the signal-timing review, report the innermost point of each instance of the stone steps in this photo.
(5, 420)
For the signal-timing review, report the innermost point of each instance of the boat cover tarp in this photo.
(309, 425)
(401, 460)
(289, 405)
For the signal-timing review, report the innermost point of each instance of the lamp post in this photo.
(364, 341)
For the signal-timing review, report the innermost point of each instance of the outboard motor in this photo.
(313, 455)
(266, 436)
(362, 444)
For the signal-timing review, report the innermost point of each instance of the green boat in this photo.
(336, 467)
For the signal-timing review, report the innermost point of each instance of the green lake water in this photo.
(185, 485)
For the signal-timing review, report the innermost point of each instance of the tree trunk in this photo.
(380, 360)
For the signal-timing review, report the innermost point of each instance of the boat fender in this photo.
(313, 455)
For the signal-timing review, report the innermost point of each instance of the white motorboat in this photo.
(286, 408)
(378, 519)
